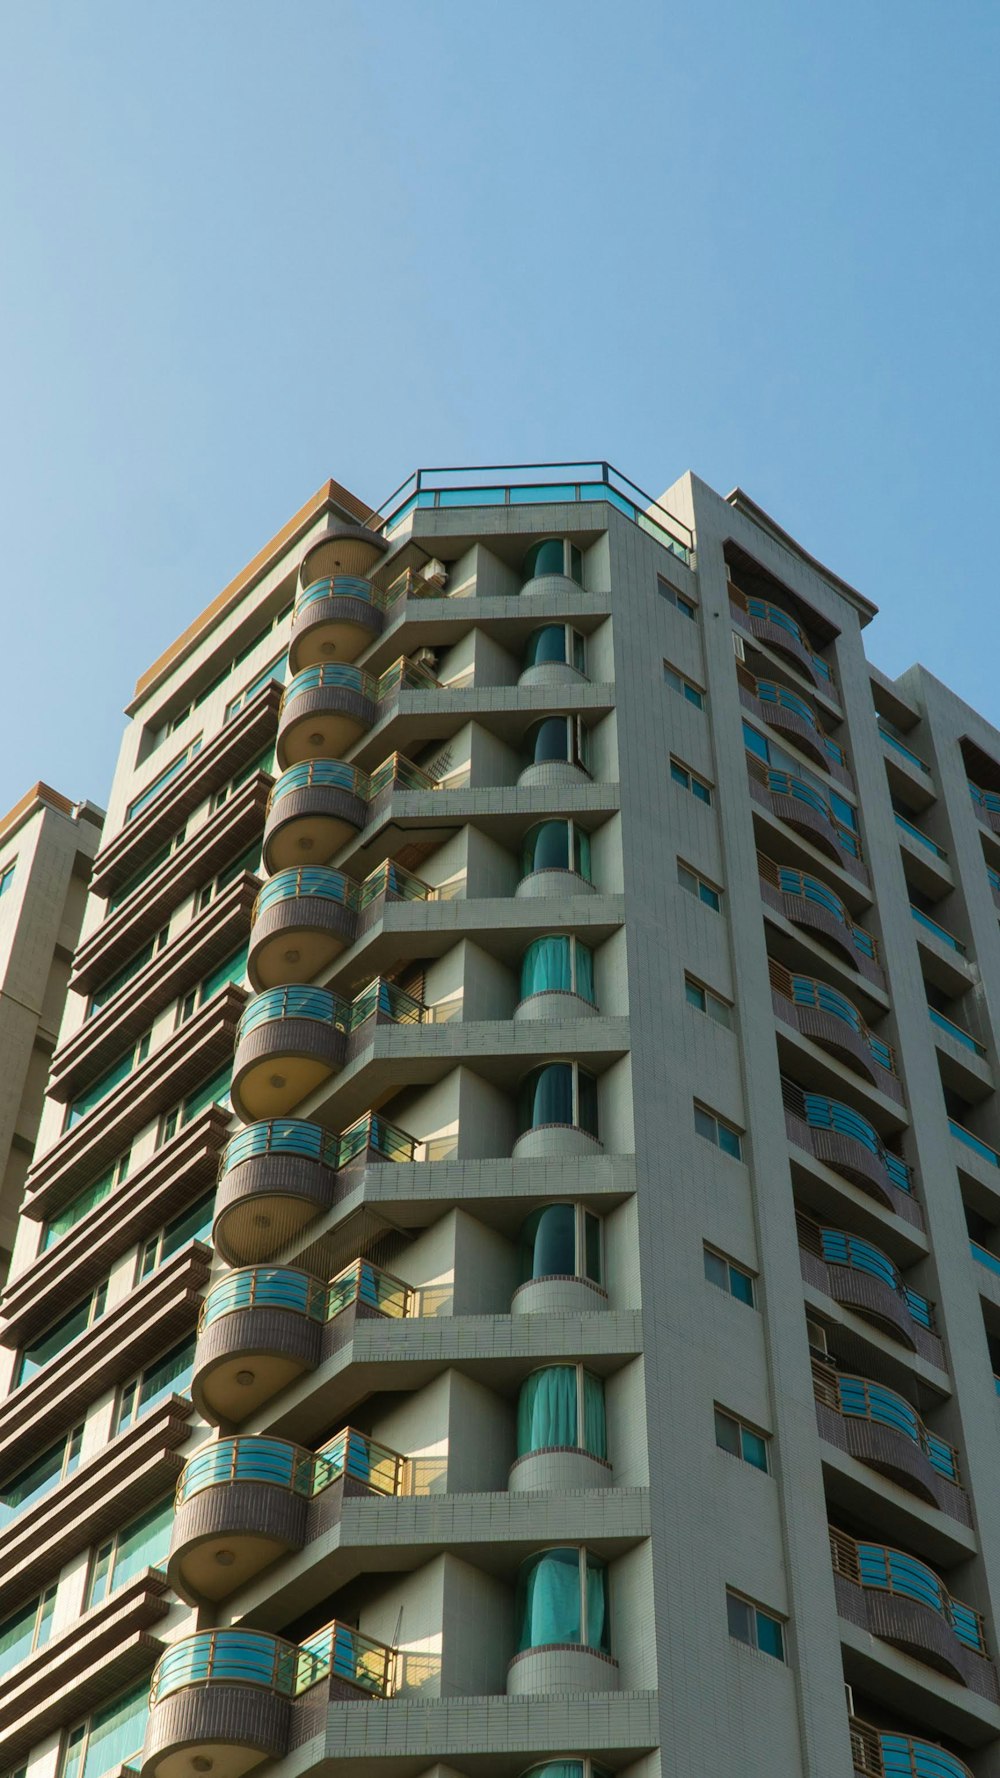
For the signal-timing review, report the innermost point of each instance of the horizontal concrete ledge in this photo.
(624, 1721)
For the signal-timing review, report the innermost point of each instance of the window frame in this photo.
(680, 601)
(710, 998)
(680, 683)
(692, 782)
(744, 1431)
(720, 1123)
(756, 1613)
(732, 1267)
(713, 898)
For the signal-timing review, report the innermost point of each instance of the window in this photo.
(561, 1241)
(562, 1597)
(169, 1375)
(708, 1002)
(7, 876)
(84, 1202)
(159, 784)
(276, 670)
(756, 743)
(233, 969)
(562, 1408)
(715, 1129)
(28, 1629)
(214, 1092)
(143, 1543)
(726, 1275)
(53, 1466)
(687, 688)
(757, 1628)
(119, 980)
(557, 1093)
(562, 738)
(128, 888)
(554, 555)
(248, 861)
(557, 644)
(193, 1224)
(265, 762)
(699, 887)
(558, 964)
(55, 1340)
(556, 845)
(107, 1082)
(109, 1738)
(740, 1441)
(690, 781)
(686, 607)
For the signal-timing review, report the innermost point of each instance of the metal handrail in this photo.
(796, 882)
(293, 1136)
(766, 610)
(823, 1113)
(392, 879)
(807, 990)
(836, 1247)
(976, 1143)
(772, 691)
(939, 931)
(918, 834)
(857, 1398)
(398, 771)
(289, 1288)
(298, 1000)
(308, 881)
(335, 586)
(957, 1031)
(780, 782)
(405, 675)
(985, 799)
(894, 740)
(269, 1663)
(276, 1462)
(333, 774)
(887, 1570)
(910, 1757)
(325, 676)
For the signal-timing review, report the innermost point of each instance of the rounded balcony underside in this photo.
(558, 1294)
(265, 1202)
(872, 1298)
(552, 882)
(234, 1727)
(322, 724)
(308, 826)
(836, 1035)
(227, 1534)
(293, 940)
(783, 642)
(338, 628)
(247, 1357)
(279, 1064)
(343, 548)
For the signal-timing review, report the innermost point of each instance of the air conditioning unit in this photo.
(738, 648)
(434, 572)
(816, 1335)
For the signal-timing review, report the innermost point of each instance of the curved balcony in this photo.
(804, 808)
(833, 1021)
(323, 711)
(557, 1112)
(221, 1700)
(859, 1275)
(809, 902)
(557, 751)
(847, 1142)
(902, 1601)
(313, 809)
(334, 619)
(243, 1502)
(288, 1041)
(263, 1326)
(345, 546)
(302, 919)
(773, 626)
(556, 654)
(880, 1428)
(880, 1753)
(555, 860)
(276, 1176)
(791, 714)
(986, 804)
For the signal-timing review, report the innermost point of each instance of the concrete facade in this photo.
(579, 1350)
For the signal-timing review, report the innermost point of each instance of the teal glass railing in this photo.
(903, 1757)
(335, 586)
(987, 800)
(965, 1038)
(982, 1149)
(320, 774)
(283, 1136)
(332, 674)
(295, 1002)
(254, 1658)
(532, 484)
(782, 783)
(841, 1249)
(398, 773)
(387, 1001)
(766, 612)
(859, 1399)
(941, 932)
(994, 878)
(821, 1113)
(375, 1133)
(877, 1566)
(916, 833)
(805, 990)
(284, 1287)
(985, 1257)
(405, 675)
(277, 1463)
(797, 882)
(889, 734)
(390, 879)
(315, 882)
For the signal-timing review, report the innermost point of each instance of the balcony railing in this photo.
(940, 932)
(982, 1149)
(782, 783)
(320, 774)
(771, 691)
(985, 1257)
(313, 881)
(282, 1287)
(344, 586)
(277, 1463)
(380, 997)
(797, 882)
(987, 802)
(806, 990)
(773, 614)
(533, 484)
(958, 1032)
(885, 1570)
(837, 1248)
(857, 1398)
(881, 1753)
(917, 833)
(889, 734)
(821, 1113)
(253, 1658)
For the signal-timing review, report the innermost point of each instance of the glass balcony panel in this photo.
(233, 1657)
(345, 586)
(906, 1758)
(297, 1002)
(947, 938)
(982, 1149)
(311, 881)
(271, 1287)
(288, 1136)
(329, 674)
(327, 774)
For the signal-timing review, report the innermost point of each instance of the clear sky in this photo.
(245, 246)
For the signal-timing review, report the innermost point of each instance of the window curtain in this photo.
(597, 1605)
(546, 1096)
(548, 1243)
(547, 967)
(595, 1431)
(550, 1599)
(547, 1410)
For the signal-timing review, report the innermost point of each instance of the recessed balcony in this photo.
(986, 804)
(902, 1601)
(847, 1142)
(313, 809)
(860, 1276)
(562, 1441)
(323, 711)
(557, 751)
(775, 627)
(243, 1502)
(791, 714)
(830, 1019)
(879, 1753)
(809, 902)
(334, 619)
(560, 1250)
(223, 1700)
(555, 860)
(881, 1429)
(804, 809)
(288, 1041)
(563, 1619)
(262, 1327)
(556, 654)
(557, 979)
(302, 919)
(557, 1112)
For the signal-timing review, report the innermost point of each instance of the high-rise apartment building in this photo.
(47, 846)
(510, 1278)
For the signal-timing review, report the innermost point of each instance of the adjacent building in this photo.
(509, 1281)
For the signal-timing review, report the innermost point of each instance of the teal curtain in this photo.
(595, 1430)
(548, 1243)
(547, 967)
(545, 558)
(547, 1410)
(546, 1097)
(597, 1605)
(585, 973)
(549, 1599)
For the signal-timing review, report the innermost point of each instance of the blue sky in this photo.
(247, 246)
